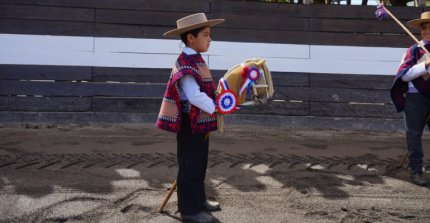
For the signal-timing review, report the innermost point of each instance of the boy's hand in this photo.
(427, 63)
(426, 59)
(426, 76)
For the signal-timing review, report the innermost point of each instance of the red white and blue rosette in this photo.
(250, 75)
(253, 73)
(226, 102)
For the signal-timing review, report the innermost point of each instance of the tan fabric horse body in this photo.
(251, 76)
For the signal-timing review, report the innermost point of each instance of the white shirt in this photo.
(190, 90)
(415, 71)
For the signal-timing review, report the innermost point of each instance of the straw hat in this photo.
(425, 17)
(192, 22)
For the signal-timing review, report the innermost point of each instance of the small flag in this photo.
(381, 13)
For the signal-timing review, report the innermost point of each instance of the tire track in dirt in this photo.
(216, 158)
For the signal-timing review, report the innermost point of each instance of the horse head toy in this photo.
(251, 80)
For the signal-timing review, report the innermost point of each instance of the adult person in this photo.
(411, 93)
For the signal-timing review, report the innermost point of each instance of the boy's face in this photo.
(200, 43)
(425, 31)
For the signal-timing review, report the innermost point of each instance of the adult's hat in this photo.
(425, 17)
(191, 22)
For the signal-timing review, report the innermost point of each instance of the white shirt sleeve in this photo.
(416, 71)
(193, 94)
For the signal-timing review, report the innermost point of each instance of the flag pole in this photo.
(382, 3)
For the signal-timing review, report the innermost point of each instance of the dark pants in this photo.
(417, 109)
(193, 160)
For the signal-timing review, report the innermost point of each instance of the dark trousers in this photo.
(417, 109)
(193, 160)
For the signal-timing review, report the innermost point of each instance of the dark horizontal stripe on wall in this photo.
(130, 31)
(357, 39)
(141, 105)
(284, 108)
(115, 104)
(8, 11)
(75, 89)
(324, 109)
(148, 5)
(349, 95)
(311, 10)
(80, 104)
(139, 75)
(261, 36)
(44, 72)
(301, 122)
(61, 89)
(138, 17)
(246, 21)
(256, 22)
(261, 8)
(313, 38)
(85, 73)
(291, 93)
(290, 79)
(382, 82)
(152, 105)
(355, 26)
(154, 75)
(77, 117)
(43, 27)
(108, 89)
(334, 95)
(162, 76)
(62, 28)
(50, 104)
(315, 123)
(362, 12)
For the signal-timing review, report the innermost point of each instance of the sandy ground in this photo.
(121, 173)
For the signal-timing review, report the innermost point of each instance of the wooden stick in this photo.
(220, 122)
(167, 197)
(404, 159)
(406, 29)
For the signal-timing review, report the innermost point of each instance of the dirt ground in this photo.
(121, 173)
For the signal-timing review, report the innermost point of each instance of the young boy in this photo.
(411, 81)
(188, 109)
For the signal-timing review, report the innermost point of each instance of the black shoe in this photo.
(211, 205)
(201, 217)
(419, 179)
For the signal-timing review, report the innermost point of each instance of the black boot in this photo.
(419, 179)
(200, 217)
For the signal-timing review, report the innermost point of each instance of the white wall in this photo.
(160, 53)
